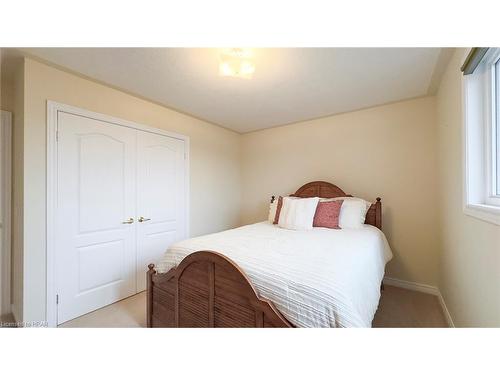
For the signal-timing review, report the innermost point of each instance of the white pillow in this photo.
(298, 214)
(353, 213)
(367, 204)
(272, 210)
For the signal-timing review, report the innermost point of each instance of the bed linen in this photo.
(315, 278)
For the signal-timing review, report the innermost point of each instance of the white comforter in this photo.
(315, 278)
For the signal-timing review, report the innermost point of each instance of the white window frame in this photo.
(492, 197)
(495, 136)
(481, 122)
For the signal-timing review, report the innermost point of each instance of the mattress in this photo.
(315, 278)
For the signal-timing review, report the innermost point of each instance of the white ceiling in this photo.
(289, 84)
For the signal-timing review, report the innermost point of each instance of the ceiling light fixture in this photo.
(236, 62)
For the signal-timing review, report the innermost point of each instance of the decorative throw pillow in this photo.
(327, 214)
(297, 214)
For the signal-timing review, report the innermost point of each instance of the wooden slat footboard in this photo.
(207, 289)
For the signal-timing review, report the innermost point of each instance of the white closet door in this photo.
(161, 198)
(96, 248)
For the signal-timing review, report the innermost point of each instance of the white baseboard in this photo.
(424, 288)
(447, 314)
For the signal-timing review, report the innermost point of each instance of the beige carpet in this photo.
(398, 308)
(129, 312)
(401, 308)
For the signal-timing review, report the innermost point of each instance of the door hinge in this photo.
(57, 299)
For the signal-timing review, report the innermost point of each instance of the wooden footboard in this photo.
(207, 289)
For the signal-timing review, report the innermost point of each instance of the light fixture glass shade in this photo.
(236, 62)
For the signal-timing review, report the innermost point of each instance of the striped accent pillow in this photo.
(279, 205)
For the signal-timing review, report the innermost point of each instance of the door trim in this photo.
(6, 254)
(53, 108)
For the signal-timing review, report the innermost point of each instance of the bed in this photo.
(261, 275)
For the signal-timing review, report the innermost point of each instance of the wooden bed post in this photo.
(378, 224)
(149, 296)
(378, 213)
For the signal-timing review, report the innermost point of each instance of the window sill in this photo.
(484, 212)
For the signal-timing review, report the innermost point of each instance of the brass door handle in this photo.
(142, 219)
(129, 221)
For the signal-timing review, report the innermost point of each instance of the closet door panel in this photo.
(161, 198)
(95, 246)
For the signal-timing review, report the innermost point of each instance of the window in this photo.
(482, 134)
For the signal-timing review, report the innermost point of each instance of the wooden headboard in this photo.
(324, 189)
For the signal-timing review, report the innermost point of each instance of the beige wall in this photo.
(6, 81)
(387, 151)
(6, 93)
(470, 260)
(214, 162)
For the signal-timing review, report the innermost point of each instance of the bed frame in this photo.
(208, 289)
